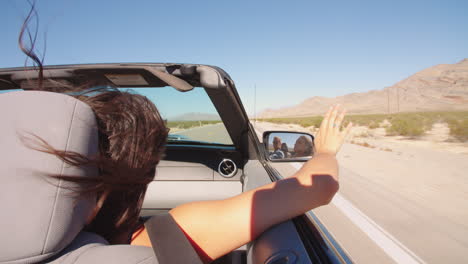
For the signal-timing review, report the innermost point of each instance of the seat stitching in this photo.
(57, 191)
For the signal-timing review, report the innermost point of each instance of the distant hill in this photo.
(196, 117)
(441, 87)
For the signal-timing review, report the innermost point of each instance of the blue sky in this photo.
(289, 50)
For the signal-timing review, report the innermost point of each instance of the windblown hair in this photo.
(132, 137)
(310, 147)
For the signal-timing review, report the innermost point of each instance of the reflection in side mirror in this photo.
(288, 146)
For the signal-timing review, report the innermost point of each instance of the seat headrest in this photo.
(39, 216)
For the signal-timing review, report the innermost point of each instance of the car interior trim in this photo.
(169, 194)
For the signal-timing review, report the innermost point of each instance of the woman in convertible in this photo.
(131, 141)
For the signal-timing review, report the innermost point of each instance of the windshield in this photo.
(190, 116)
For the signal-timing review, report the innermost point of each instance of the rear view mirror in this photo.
(288, 146)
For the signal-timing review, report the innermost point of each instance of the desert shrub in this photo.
(406, 126)
(374, 125)
(416, 124)
(458, 128)
(302, 121)
(366, 120)
(310, 121)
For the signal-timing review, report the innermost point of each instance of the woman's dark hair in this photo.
(310, 147)
(132, 137)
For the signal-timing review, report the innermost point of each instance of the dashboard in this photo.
(194, 173)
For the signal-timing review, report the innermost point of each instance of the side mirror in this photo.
(288, 146)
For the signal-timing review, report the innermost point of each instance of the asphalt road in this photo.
(210, 133)
(404, 206)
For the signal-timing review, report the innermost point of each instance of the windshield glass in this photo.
(191, 116)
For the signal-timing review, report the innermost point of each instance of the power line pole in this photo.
(388, 100)
(398, 99)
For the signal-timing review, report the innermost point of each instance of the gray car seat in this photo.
(40, 220)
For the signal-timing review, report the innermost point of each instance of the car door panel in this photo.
(169, 194)
(279, 244)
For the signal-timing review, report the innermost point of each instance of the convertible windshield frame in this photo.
(218, 85)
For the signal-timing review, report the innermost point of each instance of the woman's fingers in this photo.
(325, 121)
(345, 132)
(332, 120)
(339, 120)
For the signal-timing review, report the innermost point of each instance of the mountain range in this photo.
(443, 87)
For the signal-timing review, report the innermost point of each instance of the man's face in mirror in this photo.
(276, 143)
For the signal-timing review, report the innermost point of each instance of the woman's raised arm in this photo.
(215, 228)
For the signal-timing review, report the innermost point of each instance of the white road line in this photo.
(389, 244)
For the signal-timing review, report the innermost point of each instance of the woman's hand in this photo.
(330, 137)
